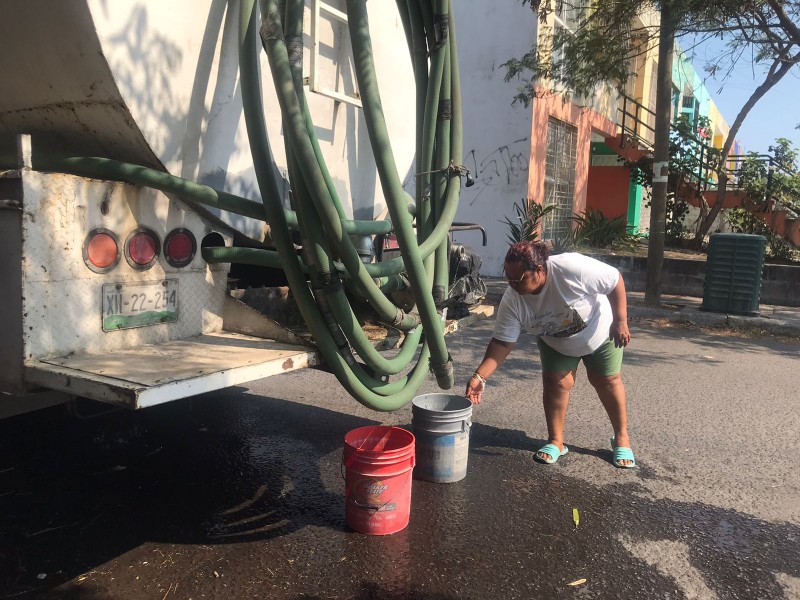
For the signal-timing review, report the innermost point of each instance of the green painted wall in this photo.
(634, 207)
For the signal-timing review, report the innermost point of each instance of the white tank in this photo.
(157, 83)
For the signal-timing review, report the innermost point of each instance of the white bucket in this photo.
(441, 425)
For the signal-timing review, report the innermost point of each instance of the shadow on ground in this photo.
(254, 482)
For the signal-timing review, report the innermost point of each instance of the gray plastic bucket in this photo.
(441, 425)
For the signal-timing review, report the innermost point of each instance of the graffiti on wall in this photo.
(502, 166)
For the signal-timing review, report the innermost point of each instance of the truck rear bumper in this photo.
(153, 374)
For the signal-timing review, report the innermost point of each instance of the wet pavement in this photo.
(240, 494)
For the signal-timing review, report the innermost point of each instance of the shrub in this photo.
(525, 226)
(742, 220)
(598, 231)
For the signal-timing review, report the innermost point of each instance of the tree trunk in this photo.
(658, 203)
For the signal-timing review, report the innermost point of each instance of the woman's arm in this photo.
(619, 311)
(496, 353)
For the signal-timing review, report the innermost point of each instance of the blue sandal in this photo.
(622, 453)
(551, 450)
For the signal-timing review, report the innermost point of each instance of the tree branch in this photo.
(769, 82)
(788, 25)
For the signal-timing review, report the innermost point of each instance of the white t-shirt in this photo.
(571, 314)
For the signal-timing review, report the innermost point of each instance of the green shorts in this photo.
(606, 360)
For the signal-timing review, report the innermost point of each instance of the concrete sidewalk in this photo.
(778, 320)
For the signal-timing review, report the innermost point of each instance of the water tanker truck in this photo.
(154, 156)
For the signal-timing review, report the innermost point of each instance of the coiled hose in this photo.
(329, 259)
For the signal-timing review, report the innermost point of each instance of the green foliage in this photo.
(752, 176)
(690, 155)
(594, 229)
(742, 220)
(691, 160)
(563, 243)
(606, 37)
(782, 184)
(676, 231)
(785, 155)
(526, 224)
(559, 57)
(763, 180)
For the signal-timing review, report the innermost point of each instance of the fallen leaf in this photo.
(577, 582)
(576, 517)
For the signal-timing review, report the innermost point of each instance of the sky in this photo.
(776, 114)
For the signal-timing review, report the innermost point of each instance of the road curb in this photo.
(696, 317)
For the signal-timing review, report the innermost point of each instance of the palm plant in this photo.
(526, 224)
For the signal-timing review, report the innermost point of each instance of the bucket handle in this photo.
(371, 431)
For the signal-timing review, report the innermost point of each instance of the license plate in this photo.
(127, 305)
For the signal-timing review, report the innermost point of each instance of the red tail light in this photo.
(142, 248)
(180, 247)
(101, 250)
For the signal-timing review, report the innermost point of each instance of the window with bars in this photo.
(559, 178)
(566, 19)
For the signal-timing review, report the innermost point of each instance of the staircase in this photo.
(636, 132)
(634, 143)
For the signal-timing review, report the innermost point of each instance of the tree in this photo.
(774, 179)
(769, 30)
(766, 181)
(609, 36)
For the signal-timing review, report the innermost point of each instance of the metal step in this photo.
(153, 374)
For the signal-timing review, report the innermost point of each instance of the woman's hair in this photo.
(530, 254)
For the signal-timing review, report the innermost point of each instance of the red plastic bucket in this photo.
(377, 486)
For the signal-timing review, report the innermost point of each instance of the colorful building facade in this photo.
(614, 126)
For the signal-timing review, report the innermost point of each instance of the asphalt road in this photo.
(240, 494)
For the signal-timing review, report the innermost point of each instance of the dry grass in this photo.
(715, 330)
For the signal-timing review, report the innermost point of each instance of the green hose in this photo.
(297, 129)
(396, 394)
(328, 252)
(441, 363)
(336, 301)
(442, 153)
(190, 191)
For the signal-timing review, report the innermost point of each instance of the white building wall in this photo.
(497, 136)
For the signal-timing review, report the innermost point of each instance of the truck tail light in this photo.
(142, 248)
(101, 250)
(180, 247)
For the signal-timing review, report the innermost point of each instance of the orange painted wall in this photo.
(586, 121)
(608, 190)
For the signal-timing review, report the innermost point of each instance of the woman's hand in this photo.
(620, 334)
(475, 389)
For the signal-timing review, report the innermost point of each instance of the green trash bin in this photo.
(733, 273)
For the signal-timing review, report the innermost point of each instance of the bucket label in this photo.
(442, 458)
(367, 493)
(378, 506)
